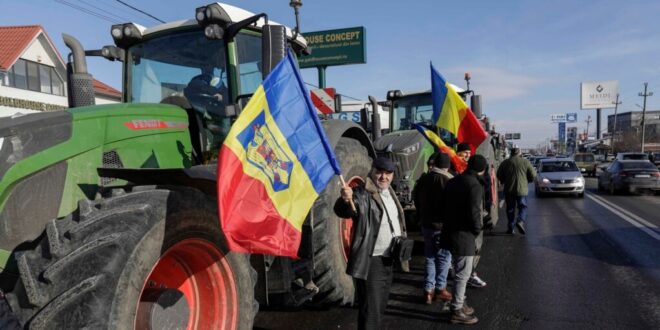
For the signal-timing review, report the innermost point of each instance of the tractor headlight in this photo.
(116, 33)
(126, 35)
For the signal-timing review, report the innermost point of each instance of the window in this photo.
(58, 85)
(44, 74)
(35, 77)
(19, 75)
(249, 63)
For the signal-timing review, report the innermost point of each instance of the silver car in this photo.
(558, 176)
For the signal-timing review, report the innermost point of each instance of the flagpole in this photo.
(341, 177)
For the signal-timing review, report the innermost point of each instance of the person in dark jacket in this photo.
(515, 173)
(377, 219)
(463, 204)
(429, 194)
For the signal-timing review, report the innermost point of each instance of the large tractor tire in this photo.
(152, 258)
(332, 235)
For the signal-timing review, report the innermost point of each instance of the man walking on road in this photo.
(377, 218)
(515, 173)
(463, 202)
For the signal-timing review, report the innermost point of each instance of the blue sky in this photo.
(527, 58)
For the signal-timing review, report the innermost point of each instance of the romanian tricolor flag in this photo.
(459, 164)
(451, 113)
(272, 166)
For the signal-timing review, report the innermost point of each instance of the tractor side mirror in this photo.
(273, 47)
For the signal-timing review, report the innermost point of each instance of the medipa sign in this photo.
(598, 94)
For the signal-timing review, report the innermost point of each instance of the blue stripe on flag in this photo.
(291, 108)
(438, 93)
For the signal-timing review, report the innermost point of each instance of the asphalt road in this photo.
(589, 263)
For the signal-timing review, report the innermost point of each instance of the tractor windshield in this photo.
(184, 64)
(409, 109)
(189, 70)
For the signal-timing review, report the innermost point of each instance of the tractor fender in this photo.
(202, 177)
(336, 129)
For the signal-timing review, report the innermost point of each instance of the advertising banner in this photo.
(598, 94)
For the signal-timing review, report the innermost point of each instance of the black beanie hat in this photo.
(441, 160)
(477, 163)
(431, 159)
(463, 147)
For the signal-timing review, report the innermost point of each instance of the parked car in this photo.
(559, 176)
(630, 176)
(632, 156)
(656, 158)
(586, 162)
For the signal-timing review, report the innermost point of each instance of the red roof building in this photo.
(33, 73)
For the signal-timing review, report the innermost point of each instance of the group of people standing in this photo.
(451, 207)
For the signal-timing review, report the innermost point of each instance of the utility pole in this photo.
(616, 106)
(588, 121)
(644, 95)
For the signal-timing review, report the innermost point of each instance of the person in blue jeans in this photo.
(515, 173)
(428, 194)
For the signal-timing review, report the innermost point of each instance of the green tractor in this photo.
(410, 150)
(108, 214)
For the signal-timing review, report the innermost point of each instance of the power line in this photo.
(103, 10)
(114, 6)
(87, 11)
(141, 11)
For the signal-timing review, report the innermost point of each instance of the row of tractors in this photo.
(108, 214)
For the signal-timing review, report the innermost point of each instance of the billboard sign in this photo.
(571, 117)
(598, 94)
(562, 132)
(558, 118)
(335, 47)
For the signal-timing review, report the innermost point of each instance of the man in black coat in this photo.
(428, 193)
(463, 202)
(377, 218)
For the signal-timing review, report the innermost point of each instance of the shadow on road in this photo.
(599, 245)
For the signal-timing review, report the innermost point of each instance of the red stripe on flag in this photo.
(251, 225)
(470, 130)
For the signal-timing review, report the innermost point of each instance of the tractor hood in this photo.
(400, 142)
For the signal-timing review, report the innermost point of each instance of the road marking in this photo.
(631, 218)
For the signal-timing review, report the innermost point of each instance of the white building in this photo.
(33, 73)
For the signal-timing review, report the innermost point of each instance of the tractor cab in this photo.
(209, 66)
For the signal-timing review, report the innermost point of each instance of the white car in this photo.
(558, 176)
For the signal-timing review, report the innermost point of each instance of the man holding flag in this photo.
(377, 219)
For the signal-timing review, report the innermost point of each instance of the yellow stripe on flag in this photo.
(453, 111)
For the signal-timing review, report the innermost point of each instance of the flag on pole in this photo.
(272, 166)
(459, 164)
(451, 113)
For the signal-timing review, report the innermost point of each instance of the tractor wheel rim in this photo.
(202, 276)
(346, 225)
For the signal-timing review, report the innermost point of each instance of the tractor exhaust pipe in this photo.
(375, 119)
(80, 84)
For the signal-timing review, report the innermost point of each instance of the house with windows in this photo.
(33, 73)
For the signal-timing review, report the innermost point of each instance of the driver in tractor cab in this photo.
(208, 94)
